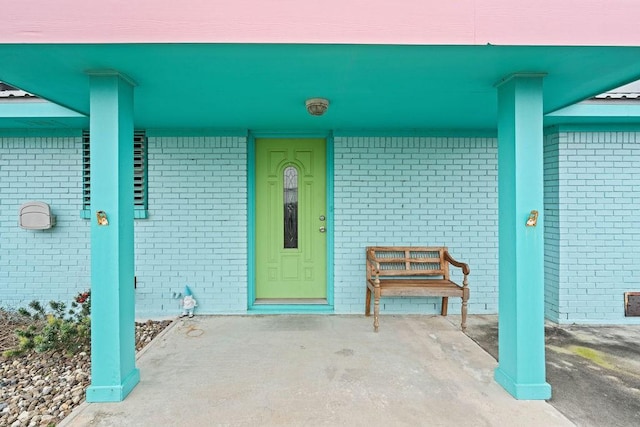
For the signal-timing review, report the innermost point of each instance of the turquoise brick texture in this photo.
(49, 264)
(551, 227)
(416, 191)
(388, 191)
(195, 234)
(592, 194)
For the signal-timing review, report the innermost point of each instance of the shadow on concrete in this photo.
(594, 371)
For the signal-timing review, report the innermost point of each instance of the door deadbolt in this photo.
(322, 218)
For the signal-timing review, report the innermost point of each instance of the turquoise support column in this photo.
(113, 370)
(521, 353)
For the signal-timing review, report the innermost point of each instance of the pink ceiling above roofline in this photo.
(468, 22)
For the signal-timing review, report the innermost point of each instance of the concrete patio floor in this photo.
(316, 370)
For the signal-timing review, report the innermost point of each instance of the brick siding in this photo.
(49, 264)
(195, 234)
(593, 244)
(416, 191)
(388, 191)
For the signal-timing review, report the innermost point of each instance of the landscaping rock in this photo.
(40, 389)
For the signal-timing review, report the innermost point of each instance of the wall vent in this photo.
(632, 304)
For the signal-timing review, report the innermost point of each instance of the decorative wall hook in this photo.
(102, 218)
(533, 219)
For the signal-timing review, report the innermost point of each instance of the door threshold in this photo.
(291, 301)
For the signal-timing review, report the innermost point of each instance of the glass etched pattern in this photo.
(291, 208)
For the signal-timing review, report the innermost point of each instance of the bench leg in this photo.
(376, 309)
(463, 326)
(367, 307)
(376, 313)
(445, 306)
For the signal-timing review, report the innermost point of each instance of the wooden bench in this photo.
(413, 272)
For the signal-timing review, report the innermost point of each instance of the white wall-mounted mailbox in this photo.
(36, 216)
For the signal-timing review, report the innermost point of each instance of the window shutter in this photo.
(139, 170)
(86, 171)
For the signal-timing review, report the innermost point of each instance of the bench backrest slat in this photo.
(411, 261)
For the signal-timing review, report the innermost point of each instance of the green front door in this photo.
(290, 220)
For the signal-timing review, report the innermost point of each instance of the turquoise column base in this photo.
(540, 391)
(98, 394)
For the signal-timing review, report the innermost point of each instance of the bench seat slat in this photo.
(427, 287)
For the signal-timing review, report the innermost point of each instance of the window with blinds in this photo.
(139, 173)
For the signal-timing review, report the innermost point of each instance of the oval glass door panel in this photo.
(290, 207)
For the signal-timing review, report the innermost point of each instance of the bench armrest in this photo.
(373, 266)
(462, 265)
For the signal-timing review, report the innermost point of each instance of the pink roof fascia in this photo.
(468, 22)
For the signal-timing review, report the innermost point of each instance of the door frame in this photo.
(251, 227)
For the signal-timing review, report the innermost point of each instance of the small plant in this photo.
(83, 300)
(59, 330)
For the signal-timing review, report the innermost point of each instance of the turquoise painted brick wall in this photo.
(416, 191)
(42, 264)
(598, 238)
(395, 191)
(196, 232)
(551, 227)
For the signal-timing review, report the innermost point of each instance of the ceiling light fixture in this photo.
(317, 106)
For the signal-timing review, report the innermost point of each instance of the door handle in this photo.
(323, 229)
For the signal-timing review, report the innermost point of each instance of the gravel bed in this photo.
(40, 389)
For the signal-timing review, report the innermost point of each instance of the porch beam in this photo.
(521, 352)
(113, 370)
